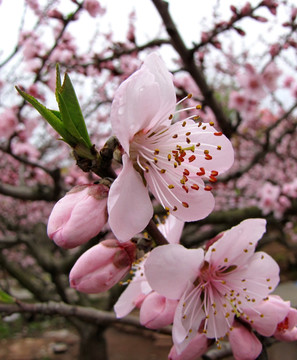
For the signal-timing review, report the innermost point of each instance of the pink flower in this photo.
(78, 216)
(93, 7)
(102, 266)
(8, 123)
(138, 288)
(168, 159)
(213, 287)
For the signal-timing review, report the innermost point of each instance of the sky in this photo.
(191, 17)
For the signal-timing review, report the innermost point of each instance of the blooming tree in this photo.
(173, 178)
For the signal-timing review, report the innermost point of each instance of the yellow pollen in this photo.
(157, 151)
(211, 123)
(261, 315)
(189, 96)
(188, 133)
(206, 152)
(162, 171)
(226, 260)
(184, 124)
(198, 107)
(170, 186)
(219, 147)
(170, 117)
(169, 157)
(213, 249)
(245, 250)
(155, 160)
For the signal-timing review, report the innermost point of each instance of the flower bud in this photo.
(102, 266)
(78, 216)
(157, 311)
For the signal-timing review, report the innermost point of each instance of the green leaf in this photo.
(51, 116)
(70, 111)
(5, 298)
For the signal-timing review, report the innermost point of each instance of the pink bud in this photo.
(78, 216)
(102, 266)
(244, 343)
(157, 311)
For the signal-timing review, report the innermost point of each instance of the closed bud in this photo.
(157, 311)
(79, 215)
(102, 266)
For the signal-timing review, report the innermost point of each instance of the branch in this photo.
(189, 63)
(38, 192)
(87, 314)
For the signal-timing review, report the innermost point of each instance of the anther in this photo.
(174, 136)
(184, 123)
(188, 133)
(201, 172)
(170, 117)
(170, 186)
(219, 147)
(211, 123)
(186, 205)
(186, 172)
(192, 158)
(195, 187)
(218, 133)
(185, 188)
(207, 188)
(208, 157)
(214, 173)
(162, 171)
(174, 208)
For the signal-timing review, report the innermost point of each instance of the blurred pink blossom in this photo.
(93, 7)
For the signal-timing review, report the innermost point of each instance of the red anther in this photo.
(174, 208)
(213, 179)
(199, 124)
(192, 158)
(218, 133)
(185, 178)
(214, 173)
(186, 205)
(207, 188)
(185, 188)
(180, 159)
(195, 187)
(208, 157)
(186, 172)
(174, 152)
(201, 172)
(182, 153)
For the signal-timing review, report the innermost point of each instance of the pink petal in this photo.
(197, 347)
(188, 316)
(172, 229)
(265, 316)
(147, 97)
(245, 345)
(169, 268)
(236, 245)
(127, 198)
(127, 301)
(262, 276)
(191, 206)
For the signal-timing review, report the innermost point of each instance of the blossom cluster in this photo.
(222, 290)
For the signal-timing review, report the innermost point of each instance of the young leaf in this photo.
(50, 116)
(70, 111)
